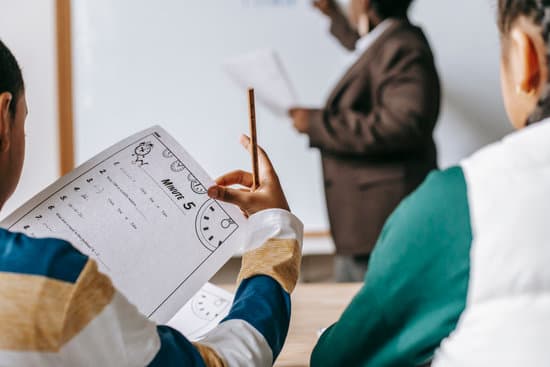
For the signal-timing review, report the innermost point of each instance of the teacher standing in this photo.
(375, 132)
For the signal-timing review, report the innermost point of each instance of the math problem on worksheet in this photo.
(141, 210)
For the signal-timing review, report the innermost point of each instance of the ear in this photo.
(6, 99)
(525, 64)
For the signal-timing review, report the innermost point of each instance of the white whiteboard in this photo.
(139, 62)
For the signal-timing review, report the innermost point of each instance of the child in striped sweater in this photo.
(57, 309)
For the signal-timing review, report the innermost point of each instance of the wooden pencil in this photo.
(254, 138)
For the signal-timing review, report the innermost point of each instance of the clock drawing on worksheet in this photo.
(207, 306)
(141, 151)
(196, 186)
(213, 225)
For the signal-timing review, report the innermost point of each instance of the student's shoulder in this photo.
(441, 189)
(48, 257)
(433, 219)
(436, 202)
(441, 183)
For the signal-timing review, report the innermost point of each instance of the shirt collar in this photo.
(365, 42)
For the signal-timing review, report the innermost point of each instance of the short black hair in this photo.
(11, 78)
(391, 8)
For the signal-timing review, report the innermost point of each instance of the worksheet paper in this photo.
(140, 209)
(264, 71)
(203, 312)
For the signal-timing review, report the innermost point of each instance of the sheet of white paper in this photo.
(203, 312)
(140, 209)
(264, 71)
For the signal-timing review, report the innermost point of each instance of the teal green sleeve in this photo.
(416, 285)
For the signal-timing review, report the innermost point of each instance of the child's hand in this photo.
(268, 195)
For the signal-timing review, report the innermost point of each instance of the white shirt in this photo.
(365, 42)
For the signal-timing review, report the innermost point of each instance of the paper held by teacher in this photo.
(264, 71)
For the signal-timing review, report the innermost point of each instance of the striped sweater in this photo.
(460, 274)
(57, 309)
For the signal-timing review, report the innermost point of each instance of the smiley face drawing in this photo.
(196, 186)
(141, 151)
(177, 166)
(213, 225)
(166, 153)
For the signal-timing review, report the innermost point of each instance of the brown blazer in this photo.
(375, 132)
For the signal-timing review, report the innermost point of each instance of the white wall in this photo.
(128, 76)
(463, 35)
(137, 63)
(28, 28)
(465, 41)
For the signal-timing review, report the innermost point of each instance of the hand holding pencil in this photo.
(260, 189)
(268, 195)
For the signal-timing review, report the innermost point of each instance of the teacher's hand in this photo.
(268, 195)
(327, 7)
(300, 119)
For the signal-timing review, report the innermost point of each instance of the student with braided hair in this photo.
(460, 276)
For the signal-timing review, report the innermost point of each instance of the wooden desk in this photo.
(314, 306)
